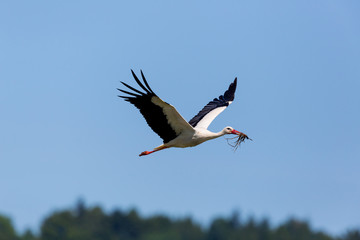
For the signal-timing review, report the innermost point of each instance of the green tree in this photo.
(188, 230)
(220, 229)
(125, 226)
(298, 230)
(28, 235)
(57, 226)
(89, 224)
(264, 231)
(92, 223)
(7, 231)
(352, 235)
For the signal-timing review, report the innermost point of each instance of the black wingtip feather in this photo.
(123, 97)
(229, 94)
(134, 89)
(132, 94)
(139, 83)
(147, 85)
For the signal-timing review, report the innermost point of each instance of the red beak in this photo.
(235, 132)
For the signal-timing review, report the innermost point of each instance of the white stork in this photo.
(165, 120)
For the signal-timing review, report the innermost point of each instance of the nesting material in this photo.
(238, 140)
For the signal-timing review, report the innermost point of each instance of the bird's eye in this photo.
(228, 128)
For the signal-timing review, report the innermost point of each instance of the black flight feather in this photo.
(153, 114)
(139, 83)
(133, 94)
(222, 101)
(147, 85)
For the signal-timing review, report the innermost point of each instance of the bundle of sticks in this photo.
(239, 139)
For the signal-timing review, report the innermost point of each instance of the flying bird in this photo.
(165, 120)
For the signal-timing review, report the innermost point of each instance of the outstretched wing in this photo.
(162, 117)
(214, 108)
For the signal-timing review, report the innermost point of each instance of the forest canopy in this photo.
(93, 223)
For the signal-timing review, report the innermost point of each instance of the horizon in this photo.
(204, 225)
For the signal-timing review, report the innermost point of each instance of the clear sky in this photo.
(64, 133)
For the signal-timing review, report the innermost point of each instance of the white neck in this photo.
(212, 135)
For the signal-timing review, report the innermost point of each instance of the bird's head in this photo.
(230, 130)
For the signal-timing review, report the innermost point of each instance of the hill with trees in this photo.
(92, 223)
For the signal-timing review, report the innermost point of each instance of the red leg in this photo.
(146, 153)
(149, 152)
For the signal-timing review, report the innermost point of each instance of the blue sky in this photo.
(66, 135)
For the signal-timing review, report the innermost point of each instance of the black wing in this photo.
(160, 116)
(214, 108)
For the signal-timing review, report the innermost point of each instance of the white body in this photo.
(188, 136)
(193, 138)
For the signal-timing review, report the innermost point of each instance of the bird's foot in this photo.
(145, 153)
(155, 150)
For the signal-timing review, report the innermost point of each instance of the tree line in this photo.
(92, 223)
